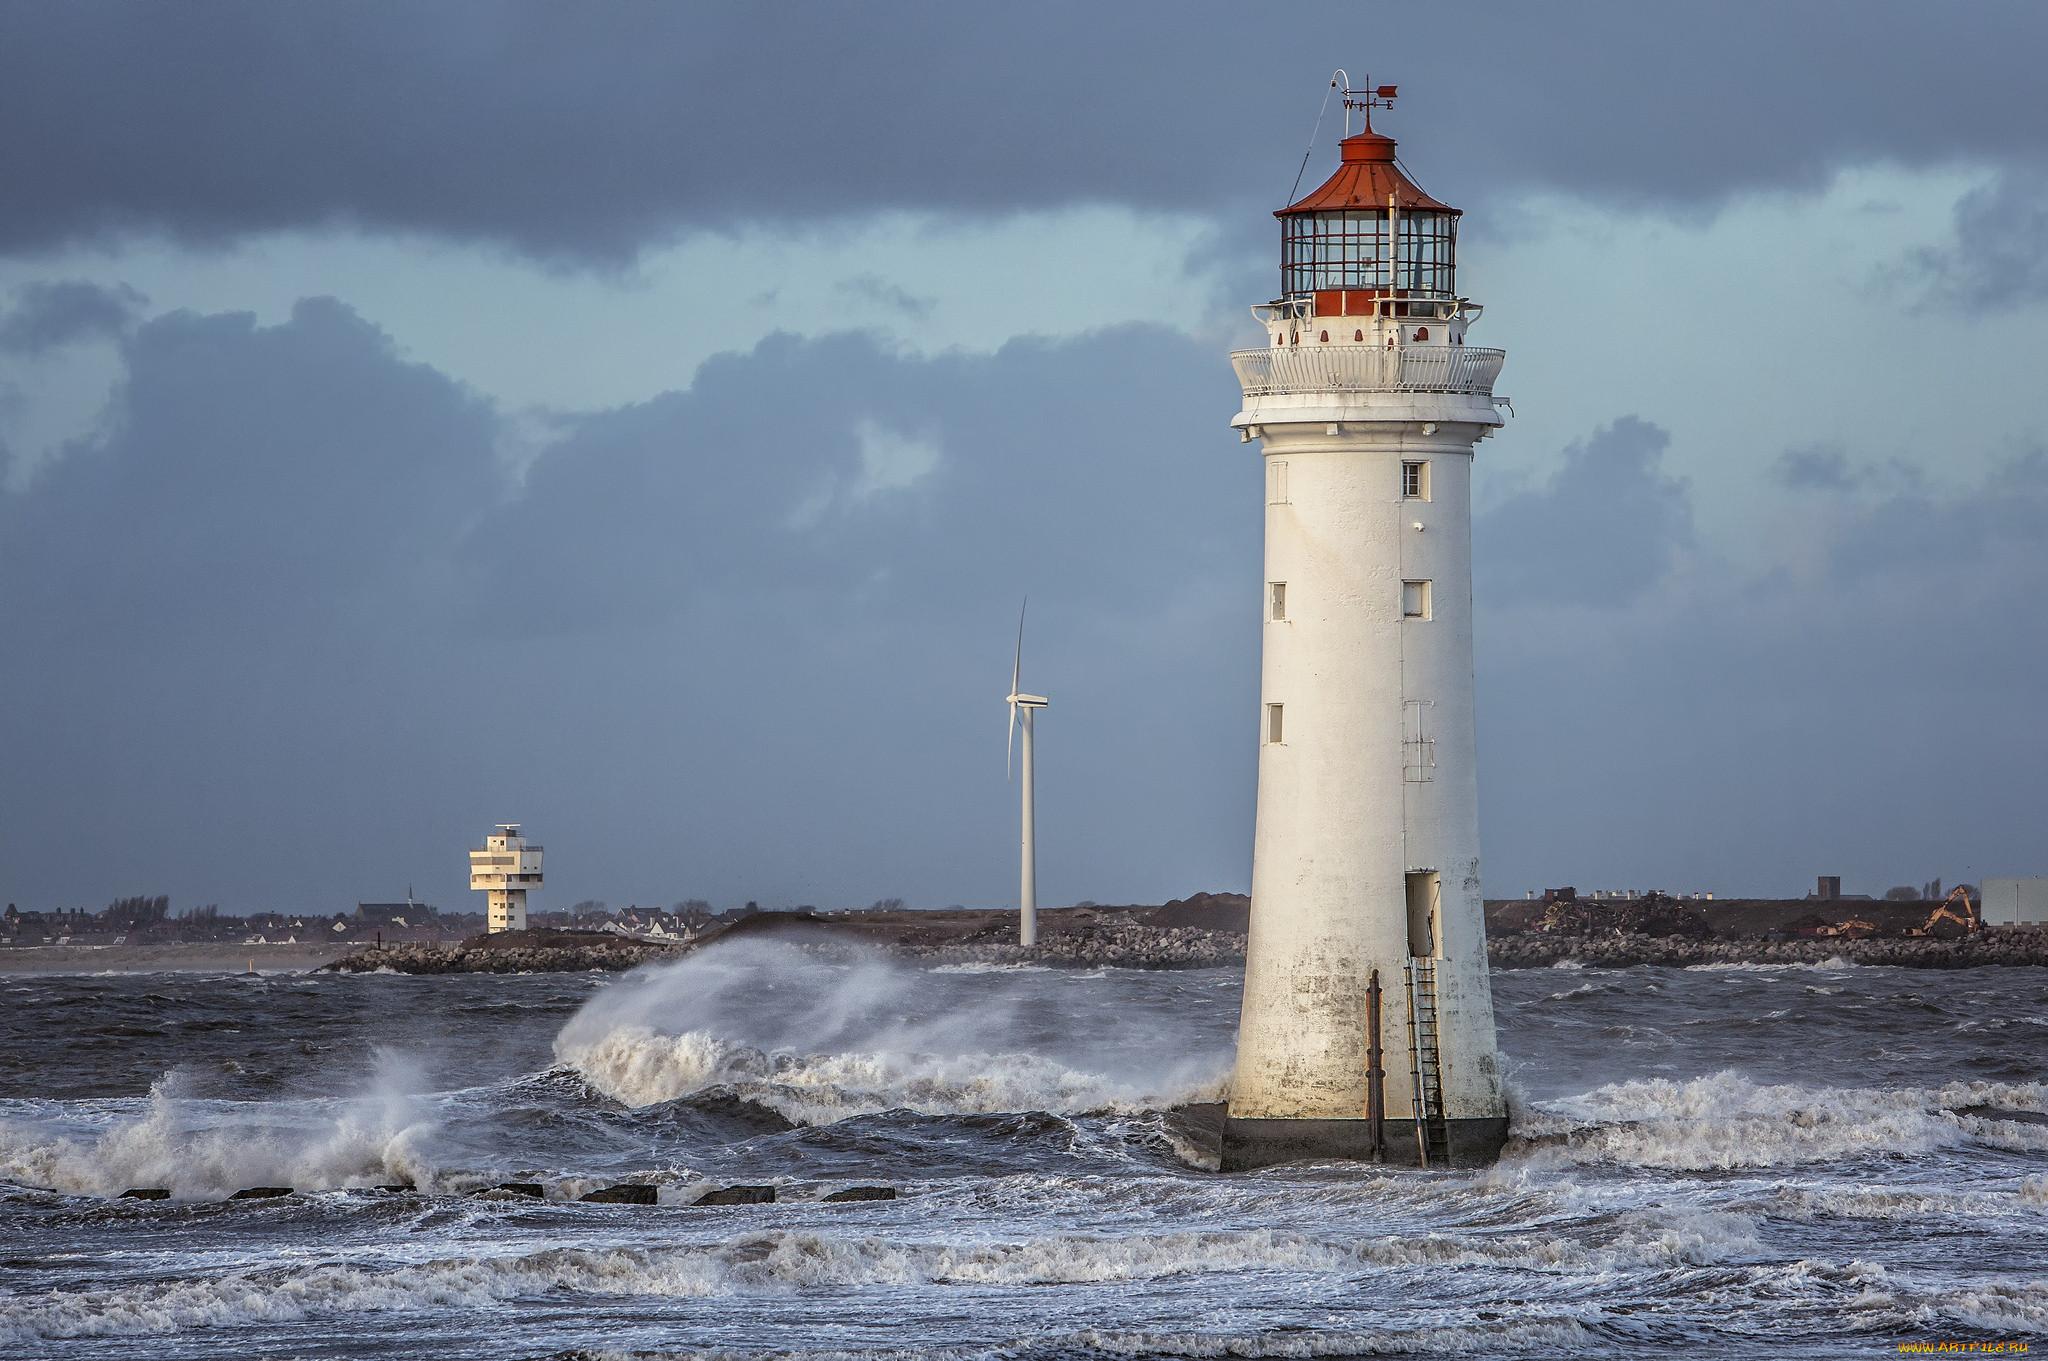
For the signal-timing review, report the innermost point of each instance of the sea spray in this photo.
(819, 1040)
(206, 1149)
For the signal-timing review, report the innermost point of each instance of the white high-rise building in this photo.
(505, 866)
(1367, 1029)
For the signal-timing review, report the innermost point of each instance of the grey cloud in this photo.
(49, 313)
(1996, 262)
(294, 599)
(587, 132)
(1820, 467)
(256, 477)
(1877, 717)
(287, 635)
(875, 289)
(1603, 530)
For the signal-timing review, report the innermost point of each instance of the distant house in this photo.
(406, 914)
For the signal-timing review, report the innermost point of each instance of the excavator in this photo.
(1956, 911)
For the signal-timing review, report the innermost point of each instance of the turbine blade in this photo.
(1011, 744)
(1017, 668)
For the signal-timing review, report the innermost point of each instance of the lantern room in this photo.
(1368, 259)
(1369, 228)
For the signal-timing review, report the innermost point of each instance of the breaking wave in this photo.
(780, 1262)
(640, 1068)
(817, 1042)
(1726, 1121)
(208, 1149)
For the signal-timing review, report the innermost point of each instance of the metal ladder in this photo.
(1425, 1066)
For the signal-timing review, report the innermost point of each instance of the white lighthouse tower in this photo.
(505, 866)
(1367, 1029)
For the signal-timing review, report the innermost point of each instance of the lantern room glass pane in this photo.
(1349, 250)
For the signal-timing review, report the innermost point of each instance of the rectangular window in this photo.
(1273, 728)
(1415, 480)
(1276, 481)
(1415, 600)
(1279, 600)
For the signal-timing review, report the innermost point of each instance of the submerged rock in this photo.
(862, 1193)
(737, 1195)
(531, 1189)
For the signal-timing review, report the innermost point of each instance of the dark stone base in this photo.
(1263, 1143)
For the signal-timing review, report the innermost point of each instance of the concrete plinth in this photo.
(1253, 1143)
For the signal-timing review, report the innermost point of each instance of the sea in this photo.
(1791, 1161)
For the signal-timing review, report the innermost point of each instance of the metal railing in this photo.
(1363, 368)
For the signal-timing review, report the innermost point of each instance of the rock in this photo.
(737, 1195)
(146, 1193)
(522, 1188)
(2000, 1113)
(398, 1188)
(261, 1193)
(624, 1194)
(862, 1193)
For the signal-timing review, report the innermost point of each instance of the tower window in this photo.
(1418, 744)
(1276, 481)
(1415, 480)
(1279, 591)
(1273, 725)
(1415, 600)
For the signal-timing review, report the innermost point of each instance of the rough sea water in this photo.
(1756, 1162)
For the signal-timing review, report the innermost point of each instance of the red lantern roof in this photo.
(1365, 179)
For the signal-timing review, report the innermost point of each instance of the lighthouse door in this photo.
(1425, 895)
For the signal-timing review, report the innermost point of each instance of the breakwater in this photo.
(1116, 944)
(1124, 942)
(1995, 945)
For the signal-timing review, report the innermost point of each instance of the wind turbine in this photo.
(1027, 889)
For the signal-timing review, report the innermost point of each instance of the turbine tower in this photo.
(1368, 931)
(1027, 884)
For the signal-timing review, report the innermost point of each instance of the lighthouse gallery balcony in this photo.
(1359, 368)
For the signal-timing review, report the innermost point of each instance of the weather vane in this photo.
(1366, 100)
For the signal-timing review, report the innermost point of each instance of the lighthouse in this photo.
(505, 866)
(1367, 1025)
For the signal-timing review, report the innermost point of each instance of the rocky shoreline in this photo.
(2012, 946)
(1125, 943)
(1120, 946)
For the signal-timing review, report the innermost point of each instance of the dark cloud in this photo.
(875, 289)
(1864, 701)
(585, 132)
(48, 313)
(1822, 466)
(1996, 262)
(295, 600)
(288, 634)
(1601, 532)
(258, 477)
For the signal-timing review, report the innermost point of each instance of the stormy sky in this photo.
(643, 422)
